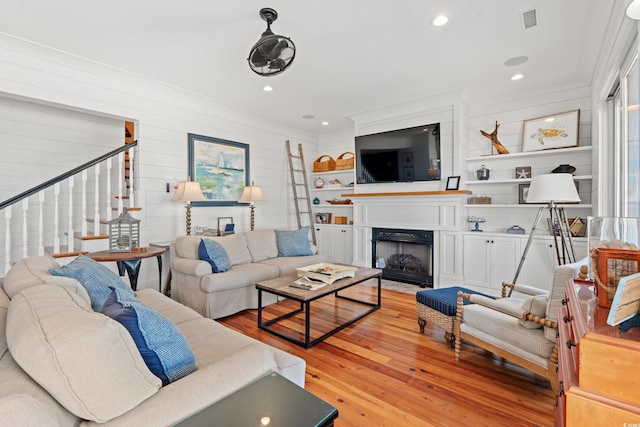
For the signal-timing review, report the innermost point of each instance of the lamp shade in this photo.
(189, 191)
(553, 187)
(633, 10)
(252, 194)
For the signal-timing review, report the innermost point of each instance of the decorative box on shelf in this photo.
(479, 200)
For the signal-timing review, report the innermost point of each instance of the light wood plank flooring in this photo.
(381, 371)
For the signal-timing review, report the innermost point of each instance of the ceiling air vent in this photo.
(529, 19)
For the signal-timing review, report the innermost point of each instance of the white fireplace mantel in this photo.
(439, 211)
(426, 210)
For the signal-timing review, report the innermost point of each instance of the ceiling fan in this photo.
(272, 54)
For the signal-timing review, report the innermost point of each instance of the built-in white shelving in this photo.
(529, 154)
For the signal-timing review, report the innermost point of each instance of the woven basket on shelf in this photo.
(343, 163)
(324, 163)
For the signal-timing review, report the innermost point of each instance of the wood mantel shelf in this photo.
(409, 193)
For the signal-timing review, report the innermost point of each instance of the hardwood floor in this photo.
(381, 371)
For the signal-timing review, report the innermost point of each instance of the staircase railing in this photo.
(43, 207)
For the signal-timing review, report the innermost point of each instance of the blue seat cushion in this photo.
(444, 300)
(162, 346)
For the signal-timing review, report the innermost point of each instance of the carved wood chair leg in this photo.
(458, 346)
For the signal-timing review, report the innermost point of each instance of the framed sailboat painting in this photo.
(220, 166)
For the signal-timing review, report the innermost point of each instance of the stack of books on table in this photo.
(307, 283)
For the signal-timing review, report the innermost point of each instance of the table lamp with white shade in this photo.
(552, 189)
(252, 194)
(189, 191)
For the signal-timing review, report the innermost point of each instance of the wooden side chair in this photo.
(521, 330)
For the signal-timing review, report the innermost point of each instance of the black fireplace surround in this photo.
(404, 255)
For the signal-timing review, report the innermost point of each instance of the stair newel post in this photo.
(41, 223)
(7, 239)
(120, 180)
(83, 220)
(96, 200)
(25, 234)
(56, 218)
(109, 212)
(131, 191)
(70, 236)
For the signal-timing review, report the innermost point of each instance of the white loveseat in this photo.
(83, 368)
(254, 257)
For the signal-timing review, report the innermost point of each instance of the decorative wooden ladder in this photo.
(300, 185)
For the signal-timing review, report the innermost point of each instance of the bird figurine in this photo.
(493, 137)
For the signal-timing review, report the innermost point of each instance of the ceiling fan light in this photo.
(272, 53)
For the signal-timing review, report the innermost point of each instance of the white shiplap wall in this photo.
(39, 142)
(164, 115)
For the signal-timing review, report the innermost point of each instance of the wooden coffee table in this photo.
(280, 286)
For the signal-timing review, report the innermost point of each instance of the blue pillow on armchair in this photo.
(162, 346)
(213, 252)
(293, 243)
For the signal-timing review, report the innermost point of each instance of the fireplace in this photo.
(404, 255)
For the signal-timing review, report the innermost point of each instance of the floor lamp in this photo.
(552, 189)
(250, 195)
(188, 191)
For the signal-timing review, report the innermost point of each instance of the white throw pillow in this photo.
(536, 305)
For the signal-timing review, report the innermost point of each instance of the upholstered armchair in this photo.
(521, 328)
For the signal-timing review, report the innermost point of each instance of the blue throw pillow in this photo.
(293, 243)
(162, 346)
(213, 252)
(95, 277)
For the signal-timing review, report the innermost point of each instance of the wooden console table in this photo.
(130, 262)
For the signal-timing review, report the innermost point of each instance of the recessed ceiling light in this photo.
(267, 88)
(517, 76)
(308, 116)
(439, 21)
(515, 61)
(550, 119)
(325, 123)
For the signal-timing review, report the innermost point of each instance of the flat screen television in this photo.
(404, 155)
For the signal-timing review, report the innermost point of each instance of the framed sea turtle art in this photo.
(552, 131)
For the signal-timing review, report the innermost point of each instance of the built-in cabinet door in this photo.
(477, 260)
(542, 259)
(335, 242)
(324, 241)
(490, 260)
(342, 244)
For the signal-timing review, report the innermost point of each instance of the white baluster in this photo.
(120, 180)
(96, 207)
(70, 236)
(83, 223)
(132, 190)
(25, 234)
(56, 219)
(109, 214)
(41, 223)
(7, 239)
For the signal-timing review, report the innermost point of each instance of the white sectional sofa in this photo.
(63, 364)
(254, 257)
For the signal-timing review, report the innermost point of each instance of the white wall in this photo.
(164, 116)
